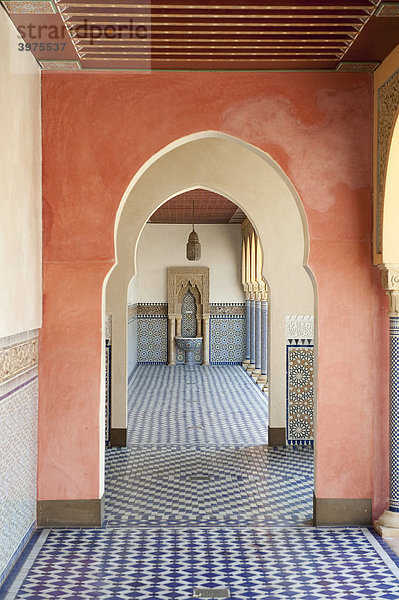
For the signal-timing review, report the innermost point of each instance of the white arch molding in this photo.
(255, 182)
(388, 523)
(390, 221)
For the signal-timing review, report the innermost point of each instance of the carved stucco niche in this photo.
(182, 279)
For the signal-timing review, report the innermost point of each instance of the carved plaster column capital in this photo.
(390, 283)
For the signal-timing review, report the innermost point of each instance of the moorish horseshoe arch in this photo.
(251, 179)
(390, 204)
(388, 112)
(386, 254)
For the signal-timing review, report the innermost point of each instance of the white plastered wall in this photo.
(253, 181)
(164, 245)
(20, 186)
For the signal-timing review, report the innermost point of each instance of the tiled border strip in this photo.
(18, 551)
(379, 547)
(16, 383)
(22, 571)
(12, 390)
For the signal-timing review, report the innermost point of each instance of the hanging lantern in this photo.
(193, 244)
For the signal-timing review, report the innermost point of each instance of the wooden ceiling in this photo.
(228, 35)
(208, 208)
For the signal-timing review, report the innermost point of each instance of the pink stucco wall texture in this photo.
(98, 130)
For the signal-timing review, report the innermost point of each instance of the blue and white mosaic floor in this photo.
(217, 510)
(209, 485)
(165, 564)
(218, 406)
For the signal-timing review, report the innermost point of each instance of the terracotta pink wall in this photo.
(98, 130)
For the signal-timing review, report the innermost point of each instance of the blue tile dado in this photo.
(169, 563)
(18, 466)
(152, 339)
(227, 339)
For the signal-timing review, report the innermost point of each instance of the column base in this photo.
(70, 513)
(262, 381)
(388, 524)
(245, 363)
(276, 436)
(250, 368)
(255, 374)
(354, 512)
(117, 437)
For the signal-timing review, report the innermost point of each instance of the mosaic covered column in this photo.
(258, 339)
(388, 524)
(394, 413)
(262, 379)
(251, 365)
(247, 361)
(171, 340)
(205, 343)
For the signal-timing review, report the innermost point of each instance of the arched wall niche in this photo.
(254, 181)
(189, 287)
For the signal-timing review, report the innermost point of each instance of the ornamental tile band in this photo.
(356, 67)
(227, 308)
(299, 327)
(388, 105)
(23, 7)
(388, 9)
(18, 358)
(152, 310)
(131, 312)
(108, 327)
(60, 65)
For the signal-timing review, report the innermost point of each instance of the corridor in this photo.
(198, 505)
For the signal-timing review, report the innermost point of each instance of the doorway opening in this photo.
(223, 166)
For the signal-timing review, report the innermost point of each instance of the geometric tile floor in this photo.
(212, 405)
(211, 508)
(274, 564)
(200, 486)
